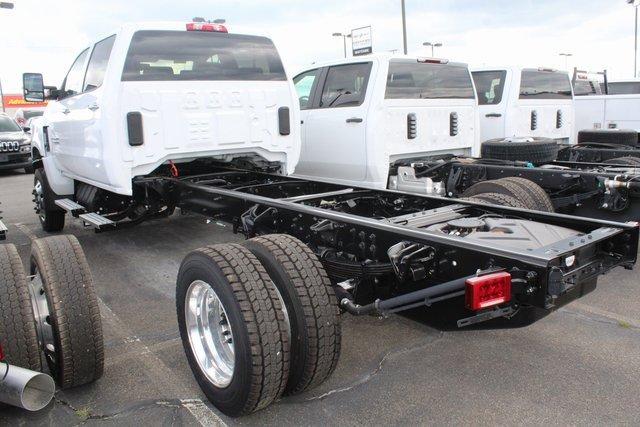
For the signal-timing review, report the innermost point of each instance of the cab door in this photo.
(492, 105)
(334, 128)
(62, 131)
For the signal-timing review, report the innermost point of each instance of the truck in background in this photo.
(519, 102)
(360, 115)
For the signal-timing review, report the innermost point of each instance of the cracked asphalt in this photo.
(578, 366)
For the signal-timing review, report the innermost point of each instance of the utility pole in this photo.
(404, 28)
(4, 5)
(635, 4)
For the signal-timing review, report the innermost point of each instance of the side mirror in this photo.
(32, 87)
(26, 129)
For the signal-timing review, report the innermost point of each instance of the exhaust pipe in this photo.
(25, 388)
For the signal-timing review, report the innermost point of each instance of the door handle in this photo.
(354, 120)
(493, 115)
(66, 111)
(93, 107)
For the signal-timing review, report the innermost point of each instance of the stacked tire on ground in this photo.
(270, 305)
(50, 320)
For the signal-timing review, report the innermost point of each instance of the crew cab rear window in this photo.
(624, 88)
(183, 56)
(536, 84)
(409, 79)
(489, 85)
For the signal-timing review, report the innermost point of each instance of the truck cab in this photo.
(524, 102)
(151, 97)
(361, 115)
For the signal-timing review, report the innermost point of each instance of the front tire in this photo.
(51, 220)
(223, 293)
(68, 316)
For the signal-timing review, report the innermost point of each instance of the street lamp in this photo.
(566, 59)
(344, 40)
(433, 45)
(635, 4)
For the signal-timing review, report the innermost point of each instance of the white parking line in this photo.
(163, 376)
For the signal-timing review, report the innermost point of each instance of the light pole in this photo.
(344, 41)
(404, 27)
(433, 45)
(4, 5)
(566, 59)
(635, 4)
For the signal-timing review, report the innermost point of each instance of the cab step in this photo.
(98, 221)
(70, 206)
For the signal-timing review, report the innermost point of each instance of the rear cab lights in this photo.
(206, 27)
(487, 291)
(432, 61)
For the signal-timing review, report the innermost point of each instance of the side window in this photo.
(345, 85)
(489, 85)
(75, 76)
(98, 63)
(304, 83)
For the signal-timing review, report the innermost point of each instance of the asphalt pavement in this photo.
(578, 366)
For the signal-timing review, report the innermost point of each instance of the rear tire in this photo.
(535, 150)
(496, 199)
(18, 336)
(627, 161)
(255, 318)
(311, 306)
(613, 136)
(541, 200)
(60, 271)
(29, 170)
(52, 220)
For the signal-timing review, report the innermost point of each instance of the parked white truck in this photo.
(361, 115)
(524, 102)
(155, 95)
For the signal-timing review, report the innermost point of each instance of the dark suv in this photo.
(15, 145)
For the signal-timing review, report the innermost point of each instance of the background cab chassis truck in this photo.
(148, 98)
(360, 115)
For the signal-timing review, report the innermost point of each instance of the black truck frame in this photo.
(589, 189)
(377, 250)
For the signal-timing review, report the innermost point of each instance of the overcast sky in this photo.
(46, 35)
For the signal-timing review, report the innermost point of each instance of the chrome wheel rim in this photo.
(38, 194)
(41, 312)
(209, 332)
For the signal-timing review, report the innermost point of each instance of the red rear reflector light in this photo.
(206, 26)
(1, 354)
(486, 291)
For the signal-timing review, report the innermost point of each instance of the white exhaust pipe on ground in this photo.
(24, 388)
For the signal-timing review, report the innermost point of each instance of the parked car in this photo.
(22, 116)
(15, 146)
(524, 102)
(361, 114)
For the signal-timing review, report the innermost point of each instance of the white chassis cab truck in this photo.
(361, 115)
(149, 97)
(524, 102)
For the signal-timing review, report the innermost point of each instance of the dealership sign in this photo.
(16, 101)
(361, 41)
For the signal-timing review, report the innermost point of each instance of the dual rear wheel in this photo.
(50, 319)
(257, 321)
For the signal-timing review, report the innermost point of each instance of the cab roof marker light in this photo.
(549, 70)
(206, 27)
(433, 61)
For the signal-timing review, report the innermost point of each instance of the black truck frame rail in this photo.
(379, 254)
(596, 190)
(597, 152)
